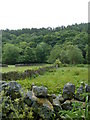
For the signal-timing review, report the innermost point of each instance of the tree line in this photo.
(45, 45)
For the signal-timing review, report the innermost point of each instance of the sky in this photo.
(18, 14)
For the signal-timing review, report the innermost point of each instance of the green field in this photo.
(55, 80)
(22, 68)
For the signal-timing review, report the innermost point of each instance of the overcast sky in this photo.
(18, 14)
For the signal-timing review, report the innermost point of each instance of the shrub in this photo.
(65, 65)
(58, 63)
(80, 65)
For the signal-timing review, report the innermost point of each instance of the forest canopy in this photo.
(45, 45)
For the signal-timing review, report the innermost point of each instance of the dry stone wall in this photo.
(15, 75)
(37, 104)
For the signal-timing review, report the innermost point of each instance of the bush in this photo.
(80, 65)
(58, 63)
(65, 65)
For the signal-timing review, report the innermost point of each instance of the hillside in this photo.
(45, 45)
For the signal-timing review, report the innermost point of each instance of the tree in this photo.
(49, 43)
(74, 54)
(30, 55)
(42, 52)
(87, 49)
(54, 54)
(10, 54)
(64, 57)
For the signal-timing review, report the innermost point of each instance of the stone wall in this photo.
(33, 64)
(3, 65)
(15, 75)
(37, 104)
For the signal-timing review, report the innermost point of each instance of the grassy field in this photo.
(56, 80)
(22, 68)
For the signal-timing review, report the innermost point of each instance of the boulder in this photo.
(4, 65)
(50, 98)
(14, 90)
(39, 91)
(88, 91)
(78, 95)
(56, 104)
(67, 105)
(61, 99)
(88, 88)
(29, 98)
(45, 102)
(14, 86)
(3, 84)
(54, 96)
(43, 109)
(68, 91)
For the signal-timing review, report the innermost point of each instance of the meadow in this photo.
(56, 79)
(22, 68)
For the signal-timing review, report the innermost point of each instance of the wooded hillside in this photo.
(45, 45)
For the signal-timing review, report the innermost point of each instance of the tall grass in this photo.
(55, 80)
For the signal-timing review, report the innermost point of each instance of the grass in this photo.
(56, 80)
(22, 68)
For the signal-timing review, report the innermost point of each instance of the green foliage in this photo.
(30, 55)
(74, 54)
(10, 54)
(76, 113)
(47, 44)
(55, 82)
(54, 54)
(58, 63)
(15, 108)
(69, 54)
(42, 52)
(64, 56)
(56, 79)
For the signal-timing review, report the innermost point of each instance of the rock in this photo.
(68, 91)
(3, 84)
(88, 88)
(4, 65)
(61, 99)
(67, 105)
(56, 104)
(78, 95)
(54, 96)
(50, 98)
(37, 103)
(30, 98)
(39, 91)
(32, 85)
(88, 91)
(14, 90)
(45, 102)
(42, 111)
(13, 85)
